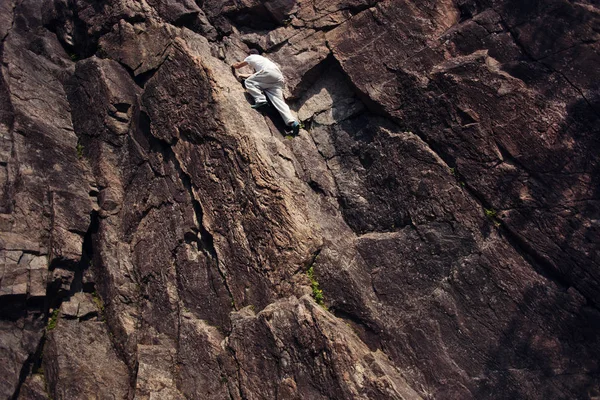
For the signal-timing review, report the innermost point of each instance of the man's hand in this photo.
(244, 76)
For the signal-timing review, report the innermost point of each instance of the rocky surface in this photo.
(431, 233)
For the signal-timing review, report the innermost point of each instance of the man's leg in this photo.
(276, 96)
(253, 87)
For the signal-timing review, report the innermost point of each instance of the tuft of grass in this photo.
(79, 149)
(53, 320)
(490, 213)
(493, 216)
(314, 285)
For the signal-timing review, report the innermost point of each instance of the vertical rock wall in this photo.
(162, 240)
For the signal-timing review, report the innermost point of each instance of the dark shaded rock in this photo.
(433, 249)
(252, 13)
(513, 159)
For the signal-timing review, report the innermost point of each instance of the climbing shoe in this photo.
(259, 105)
(295, 128)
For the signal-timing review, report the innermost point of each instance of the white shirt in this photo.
(259, 63)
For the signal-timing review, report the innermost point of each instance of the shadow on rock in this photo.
(560, 345)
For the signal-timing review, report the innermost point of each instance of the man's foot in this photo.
(259, 104)
(295, 128)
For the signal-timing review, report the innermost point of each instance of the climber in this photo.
(267, 78)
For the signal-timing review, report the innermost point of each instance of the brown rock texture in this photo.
(432, 233)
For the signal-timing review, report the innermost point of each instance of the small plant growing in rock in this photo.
(493, 216)
(79, 149)
(53, 320)
(490, 213)
(314, 285)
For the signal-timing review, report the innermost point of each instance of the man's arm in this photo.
(239, 65)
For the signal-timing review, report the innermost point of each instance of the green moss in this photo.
(53, 320)
(100, 52)
(314, 285)
(98, 301)
(457, 176)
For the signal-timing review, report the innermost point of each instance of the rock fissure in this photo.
(205, 241)
(12, 22)
(29, 367)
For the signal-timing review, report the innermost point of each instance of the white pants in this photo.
(271, 83)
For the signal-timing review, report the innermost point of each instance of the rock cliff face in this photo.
(159, 239)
